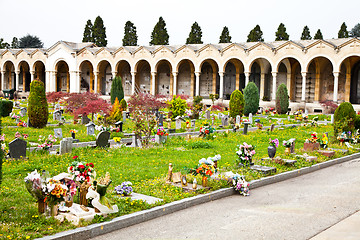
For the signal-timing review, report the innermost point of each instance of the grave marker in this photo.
(57, 115)
(66, 145)
(178, 122)
(250, 118)
(102, 139)
(207, 114)
(23, 111)
(90, 128)
(332, 119)
(161, 119)
(58, 133)
(17, 148)
(238, 119)
(124, 114)
(57, 107)
(272, 127)
(193, 123)
(85, 120)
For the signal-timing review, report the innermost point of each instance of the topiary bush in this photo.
(282, 99)
(344, 118)
(117, 90)
(6, 107)
(236, 104)
(251, 97)
(38, 107)
(177, 106)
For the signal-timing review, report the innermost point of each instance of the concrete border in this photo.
(94, 230)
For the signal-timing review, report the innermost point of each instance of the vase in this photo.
(204, 181)
(41, 205)
(287, 150)
(271, 151)
(53, 210)
(73, 135)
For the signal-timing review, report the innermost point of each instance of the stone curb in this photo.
(94, 230)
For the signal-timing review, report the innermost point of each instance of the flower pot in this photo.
(41, 206)
(204, 181)
(54, 210)
(287, 150)
(271, 151)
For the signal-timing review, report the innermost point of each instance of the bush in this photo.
(6, 107)
(357, 122)
(177, 106)
(117, 90)
(251, 97)
(123, 104)
(38, 107)
(236, 104)
(1, 155)
(344, 118)
(116, 112)
(282, 99)
(197, 106)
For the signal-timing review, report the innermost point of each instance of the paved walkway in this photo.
(316, 205)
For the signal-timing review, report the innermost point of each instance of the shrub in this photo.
(6, 107)
(197, 106)
(251, 97)
(116, 112)
(38, 107)
(344, 118)
(177, 106)
(357, 122)
(123, 104)
(282, 99)
(1, 154)
(117, 90)
(330, 106)
(236, 104)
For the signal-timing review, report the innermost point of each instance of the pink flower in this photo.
(17, 135)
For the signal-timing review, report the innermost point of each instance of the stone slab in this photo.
(339, 150)
(288, 162)
(263, 169)
(145, 198)
(189, 188)
(326, 153)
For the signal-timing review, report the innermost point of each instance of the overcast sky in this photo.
(65, 20)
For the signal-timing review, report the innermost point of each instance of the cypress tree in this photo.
(195, 34)
(252, 98)
(15, 43)
(88, 36)
(225, 36)
(355, 31)
(305, 34)
(282, 99)
(281, 33)
(236, 104)
(255, 35)
(318, 35)
(99, 32)
(38, 107)
(343, 32)
(130, 36)
(30, 41)
(117, 90)
(159, 35)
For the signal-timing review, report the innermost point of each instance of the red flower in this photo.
(71, 168)
(91, 165)
(81, 166)
(87, 164)
(75, 157)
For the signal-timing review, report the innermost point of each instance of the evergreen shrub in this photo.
(117, 90)
(116, 112)
(282, 99)
(123, 104)
(38, 107)
(6, 107)
(251, 97)
(236, 104)
(344, 118)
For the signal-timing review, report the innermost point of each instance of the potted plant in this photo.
(161, 134)
(55, 193)
(287, 144)
(273, 144)
(312, 143)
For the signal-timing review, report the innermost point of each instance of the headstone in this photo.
(246, 126)
(57, 115)
(119, 125)
(207, 114)
(102, 139)
(332, 119)
(178, 123)
(57, 107)
(85, 119)
(263, 169)
(272, 127)
(23, 111)
(225, 120)
(292, 147)
(238, 119)
(66, 145)
(17, 148)
(90, 128)
(220, 115)
(193, 123)
(338, 149)
(58, 133)
(250, 118)
(124, 116)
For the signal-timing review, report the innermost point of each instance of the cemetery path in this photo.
(297, 208)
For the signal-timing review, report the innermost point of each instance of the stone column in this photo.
(247, 78)
(336, 86)
(96, 81)
(197, 83)
(192, 81)
(237, 79)
(32, 74)
(153, 81)
(274, 74)
(317, 86)
(2, 80)
(133, 74)
(288, 82)
(221, 90)
(262, 85)
(48, 80)
(347, 84)
(17, 80)
(175, 82)
(52, 81)
(214, 82)
(303, 88)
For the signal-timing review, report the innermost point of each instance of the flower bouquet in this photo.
(124, 189)
(240, 185)
(47, 142)
(55, 193)
(82, 171)
(312, 143)
(287, 144)
(161, 132)
(273, 144)
(206, 131)
(36, 185)
(245, 154)
(324, 141)
(342, 138)
(205, 168)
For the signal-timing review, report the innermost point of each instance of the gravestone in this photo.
(332, 119)
(102, 139)
(193, 123)
(250, 118)
(58, 133)
(119, 125)
(272, 127)
(225, 120)
(23, 111)
(207, 114)
(66, 145)
(161, 119)
(85, 119)
(220, 115)
(136, 141)
(90, 128)
(57, 115)
(124, 114)
(246, 126)
(57, 107)
(292, 147)
(177, 122)
(238, 119)
(17, 148)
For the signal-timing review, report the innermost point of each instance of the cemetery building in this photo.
(313, 70)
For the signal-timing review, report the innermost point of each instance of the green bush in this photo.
(357, 122)
(251, 97)
(236, 104)
(117, 90)
(177, 106)
(282, 99)
(1, 155)
(344, 118)
(6, 107)
(197, 106)
(123, 104)
(38, 107)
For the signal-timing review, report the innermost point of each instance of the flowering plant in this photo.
(342, 137)
(117, 139)
(124, 189)
(240, 185)
(73, 131)
(245, 154)
(82, 171)
(101, 128)
(36, 185)
(114, 129)
(161, 132)
(3, 144)
(203, 169)
(313, 138)
(288, 143)
(19, 135)
(47, 142)
(324, 141)
(206, 131)
(14, 116)
(274, 142)
(55, 192)
(21, 124)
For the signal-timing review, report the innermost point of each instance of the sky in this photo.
(65, 20)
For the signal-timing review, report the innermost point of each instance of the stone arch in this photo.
(24, 76)
(104, 77)
(62, 76)
(260, 74)
(185, 78)
(319, 80)
(123, 69)
(164, 78)
(87, 77)
(143, 76)
(289, 72)
(9, 75)
(349, 79)
(234, 77)
(209, 82)
(39, 71)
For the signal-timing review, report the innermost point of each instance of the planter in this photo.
(41, 206)
(271, 151)
(311, 146)
(54, 210)
(287, 150)
(204, 181)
